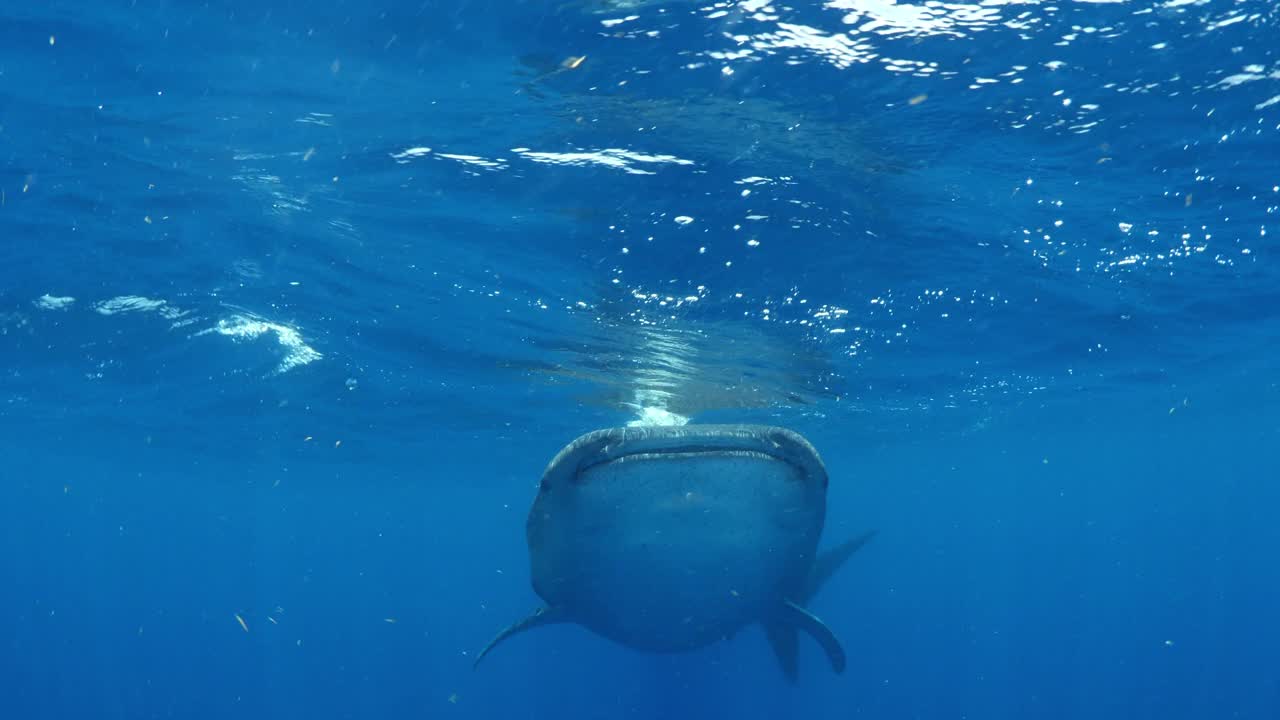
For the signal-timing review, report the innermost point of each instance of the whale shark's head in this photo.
(672, 537)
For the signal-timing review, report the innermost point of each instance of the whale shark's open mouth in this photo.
(688, 442)
(687, 452)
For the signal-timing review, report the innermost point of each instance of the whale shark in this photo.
(671, 538)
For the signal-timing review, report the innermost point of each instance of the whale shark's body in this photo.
(671, 538)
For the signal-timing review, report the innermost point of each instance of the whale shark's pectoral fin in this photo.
(541, 616)
(781, 630)
(782, 635)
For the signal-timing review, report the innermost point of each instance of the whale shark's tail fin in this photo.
(784, 641)
(829, 562)
(782, 630)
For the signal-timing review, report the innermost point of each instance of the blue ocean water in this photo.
(298, 300)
